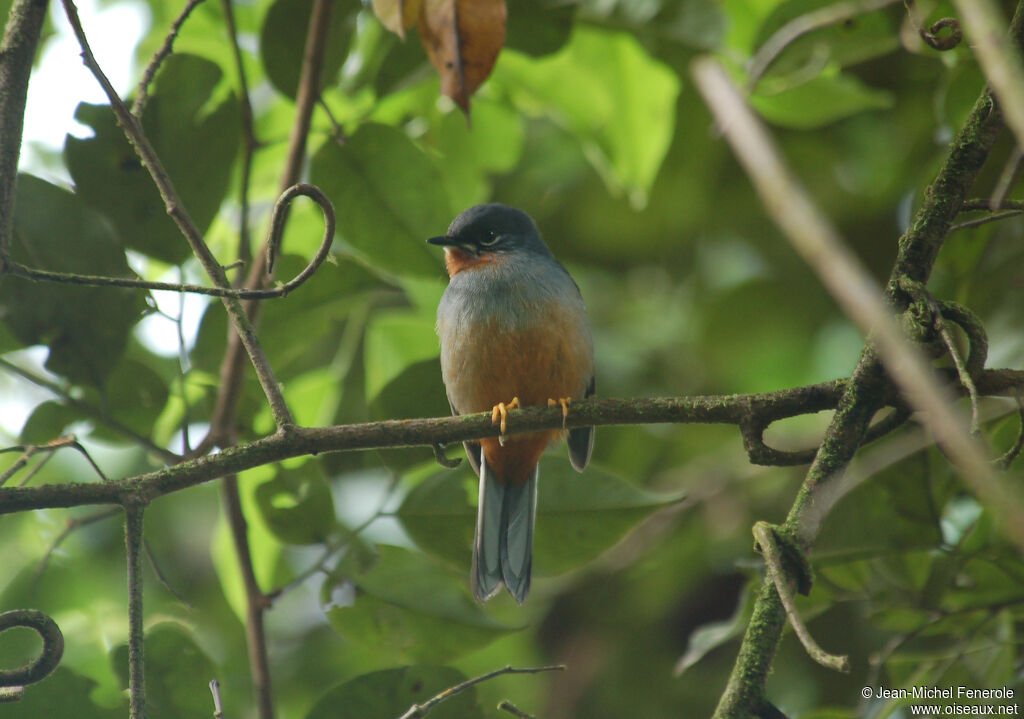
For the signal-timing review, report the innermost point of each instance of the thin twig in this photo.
(162, 578)
(136, 657)
(218, 708)
(184, 367)
(223, 417)
(919, 293)
(918, 249)
(29, 451)
(1013, 452)
(998, 57)
(239, 319)
(337, 129)
(440, 456)
(507, 706)
(852, 286)
(142, 93)
(257, 602)
(871, 462)
(1007, 179)
(335, 547)
(75, 444)
(765, 536)
(35, 470)
(979, 221)
(417, 711)
(978, 204)
(961, 369)
(91, 412)
(70, 526)
(273, 242)
(800, 26)
(251, 142)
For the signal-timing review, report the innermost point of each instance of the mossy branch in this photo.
(864, 394)
(739, 410)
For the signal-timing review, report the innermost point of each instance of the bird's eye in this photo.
(490, 238)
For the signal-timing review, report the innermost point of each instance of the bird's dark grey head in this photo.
(493, 228)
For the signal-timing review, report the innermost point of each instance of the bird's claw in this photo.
(501, 410)
(563, 402)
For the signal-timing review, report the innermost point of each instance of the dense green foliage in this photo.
(644, 563)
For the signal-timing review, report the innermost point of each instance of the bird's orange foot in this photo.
(501, 410)
(563, 402)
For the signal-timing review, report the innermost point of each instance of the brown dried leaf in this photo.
(462, 39)
(397, 15)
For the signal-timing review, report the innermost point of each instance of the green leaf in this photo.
(135, 396)
(48, 421)
(389, 196)
(493, 144)
(821, 101)
(283, 38)
(300, 332)
(698, 24)
(896, 510)
(85, 328)
(620, 101)
(417, 392)
(410, 606)
(297, 505)
(391, 692)
(859, 39)
(578, 516)
(402, 63)
(265, 549)
(177, 673)
(195, 134)
(745, 18)
(439, 514)
(394, 342)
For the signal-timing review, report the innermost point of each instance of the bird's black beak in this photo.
(446, 241)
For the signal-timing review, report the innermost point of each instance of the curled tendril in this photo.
(760, 453)
(1013, 452)
(973, 329)
(443, 459)
(931, 36)
(12, 681)
(947, 42)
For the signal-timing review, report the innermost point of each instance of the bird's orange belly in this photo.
(548, 361)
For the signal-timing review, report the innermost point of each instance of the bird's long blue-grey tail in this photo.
(503, 546)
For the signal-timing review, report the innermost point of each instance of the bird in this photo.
(514, 332)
